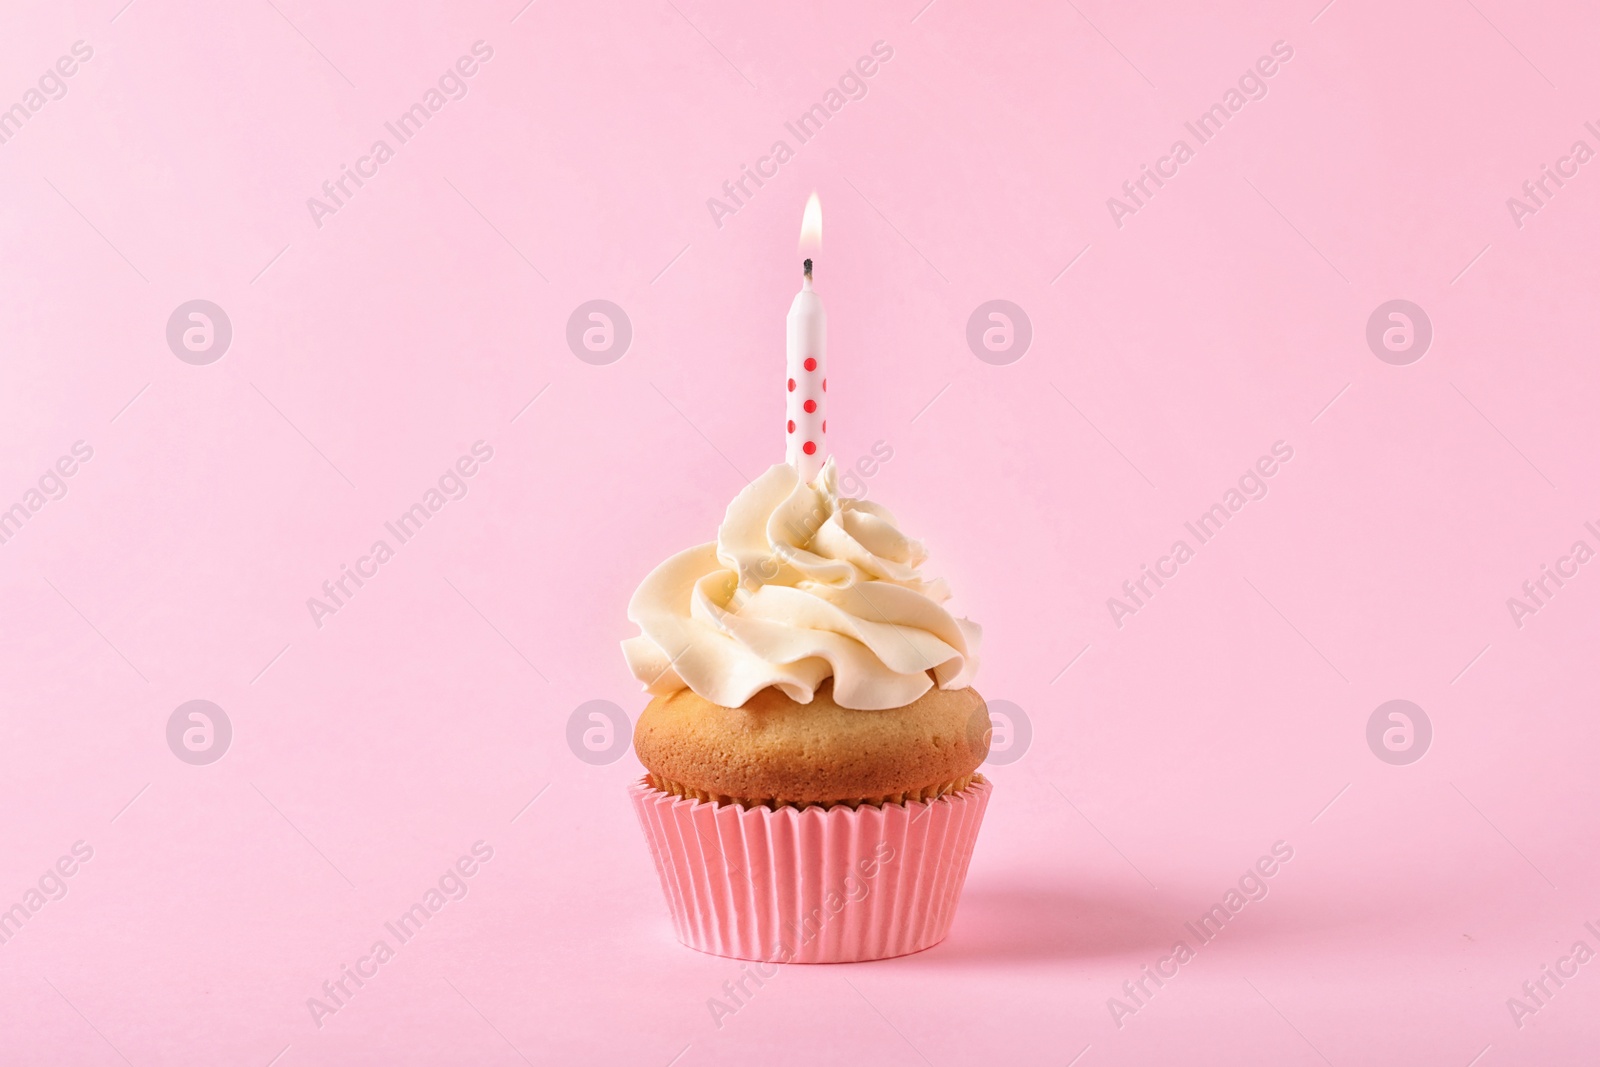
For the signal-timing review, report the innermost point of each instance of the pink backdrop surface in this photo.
(1174, 342)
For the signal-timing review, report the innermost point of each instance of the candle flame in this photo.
(811, 225)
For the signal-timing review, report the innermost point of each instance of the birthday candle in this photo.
(807, 429)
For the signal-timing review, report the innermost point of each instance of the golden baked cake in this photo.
(773, 751)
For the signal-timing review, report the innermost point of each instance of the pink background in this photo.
(367, 354)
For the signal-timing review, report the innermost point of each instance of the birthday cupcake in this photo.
(813, 744)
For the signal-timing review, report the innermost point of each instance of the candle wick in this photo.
(808, 268)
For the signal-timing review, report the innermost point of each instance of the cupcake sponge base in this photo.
(775, 750)
(812, 884)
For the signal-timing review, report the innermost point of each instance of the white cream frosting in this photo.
(801, 585)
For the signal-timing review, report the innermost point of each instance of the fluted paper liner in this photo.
(812, 885)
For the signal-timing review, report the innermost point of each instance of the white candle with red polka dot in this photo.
(807, 417)
(808, 382)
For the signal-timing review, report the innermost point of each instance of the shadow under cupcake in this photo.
(813, 744)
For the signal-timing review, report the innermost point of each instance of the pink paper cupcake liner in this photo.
(811, 885)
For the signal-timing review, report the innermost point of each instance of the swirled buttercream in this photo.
(800, 585)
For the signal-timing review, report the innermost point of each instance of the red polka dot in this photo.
(811, 364)
(791, 385)
(811, 448)
(810, 406)
(824, 385)
(791, 426)
(824, 425)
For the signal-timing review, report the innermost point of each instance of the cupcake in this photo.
(813, 741)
